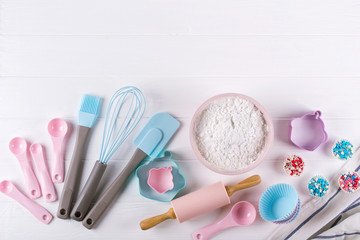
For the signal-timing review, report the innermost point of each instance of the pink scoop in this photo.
(57, 129)
(46, 183)
(10, 189)
(242, 214)
(18, 146)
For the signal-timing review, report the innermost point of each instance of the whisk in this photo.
(114, 135)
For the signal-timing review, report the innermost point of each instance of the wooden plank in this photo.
(284, 98)
(154, 17)
(254, 56)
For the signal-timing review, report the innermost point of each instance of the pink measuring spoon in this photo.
(18, 146)
(57, 129)
(10, 189)
(241, 214)
(47, 186)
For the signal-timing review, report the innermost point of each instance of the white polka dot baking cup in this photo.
(343, 149)
(318, 186)
(294, 165)
(349, 182)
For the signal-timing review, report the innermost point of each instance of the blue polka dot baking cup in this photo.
(278, 203)
(343, 149)
(318, 186)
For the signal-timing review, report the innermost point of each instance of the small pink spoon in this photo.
(57, 129)
(46, 183)
(18, 146)
(38, 211)
(242, 214)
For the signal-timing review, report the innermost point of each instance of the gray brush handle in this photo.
(109, 195)
(73, 176)
(88, 192)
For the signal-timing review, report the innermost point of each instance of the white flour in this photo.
(230, 133)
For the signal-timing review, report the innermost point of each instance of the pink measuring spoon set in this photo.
(44, 184)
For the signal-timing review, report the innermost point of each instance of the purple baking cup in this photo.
(308, 132)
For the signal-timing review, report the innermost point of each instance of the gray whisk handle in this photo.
(109, 195)
(88, 192)
(73, 176)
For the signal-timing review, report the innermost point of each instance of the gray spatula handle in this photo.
(88, 192)
(73, 176)
(109, 195)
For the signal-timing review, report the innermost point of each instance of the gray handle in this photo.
(109, 195)
(73, 177)
(88, 192)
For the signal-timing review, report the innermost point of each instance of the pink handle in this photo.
(38, 211)
(31, 181)
(58, 171)
(46, 183)
(210, 230)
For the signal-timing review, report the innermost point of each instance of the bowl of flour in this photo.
(231, 133)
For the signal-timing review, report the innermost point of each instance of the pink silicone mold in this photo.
(161, 179)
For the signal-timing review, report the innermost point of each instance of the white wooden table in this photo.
(291, 56)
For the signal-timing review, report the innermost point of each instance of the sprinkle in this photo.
(318, 186)
(343, 149)
(349, 182)
(294, 165)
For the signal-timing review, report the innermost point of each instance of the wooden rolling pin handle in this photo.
(249, 182)
(153, 221)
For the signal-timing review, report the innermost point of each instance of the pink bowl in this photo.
(269, 139)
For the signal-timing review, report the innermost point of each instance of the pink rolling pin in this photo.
(47, 186)
(200, 202)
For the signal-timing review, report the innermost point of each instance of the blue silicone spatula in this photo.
(150, 142)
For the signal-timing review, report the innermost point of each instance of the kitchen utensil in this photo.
(89, 111)
(265, 150)
(18, 146)
(308, 132)
(57, 129)
(161, 179)
(241, 214)
(164, 161)
(10, 189)
(47, 186)
(278, 202)
(150, 142)
(132, 100)
(200, 202)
